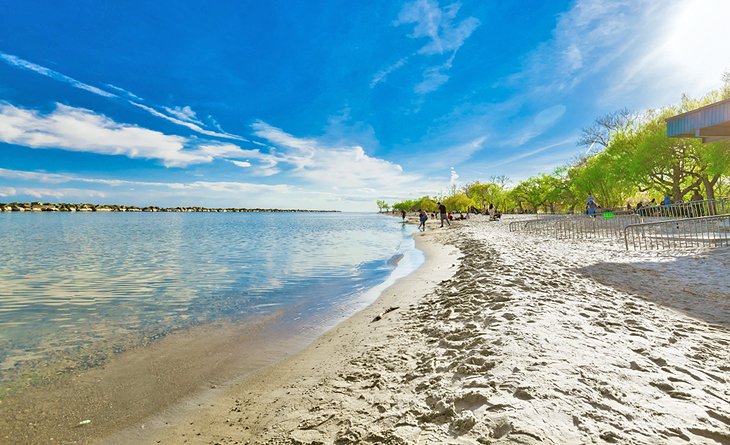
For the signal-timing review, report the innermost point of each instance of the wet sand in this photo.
(181, 371)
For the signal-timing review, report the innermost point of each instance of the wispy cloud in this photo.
(570, 141)
(184, 113)
(56, 193)
(183, 116)
(213, 193)
(24, 64)
(187, 123)
(437, 25)
(56, 178)
(124, 92)
(337, 167)
(78, 129)
(623, 47)
(444, 35)
(537, 125)
(381, 75)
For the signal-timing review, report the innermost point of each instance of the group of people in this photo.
(423, 217)
(447, 217)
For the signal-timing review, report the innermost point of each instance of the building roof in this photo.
(711, 123)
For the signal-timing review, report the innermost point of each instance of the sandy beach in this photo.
(497, 338)
(500, 338)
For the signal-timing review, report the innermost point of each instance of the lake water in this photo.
(75, 288)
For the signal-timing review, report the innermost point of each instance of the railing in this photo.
(527, 225)
(607, 225)
(518, 226)
(543, 226)
(705, 231)
(692, 209)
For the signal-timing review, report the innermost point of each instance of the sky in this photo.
(326, 104)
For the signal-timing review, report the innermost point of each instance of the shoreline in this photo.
(497, 338)
(183, 422)
(518, 340)
(163, 376)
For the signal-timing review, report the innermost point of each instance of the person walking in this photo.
(442, 214)
(422, 217)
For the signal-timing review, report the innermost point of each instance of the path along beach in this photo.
(498, 338)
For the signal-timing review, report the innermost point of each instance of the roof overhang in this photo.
(711, 123)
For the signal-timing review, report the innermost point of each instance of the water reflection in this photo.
(69, 281)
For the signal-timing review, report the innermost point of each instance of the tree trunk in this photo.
(710, 186)
(676, 184)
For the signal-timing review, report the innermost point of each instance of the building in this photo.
(711, 123)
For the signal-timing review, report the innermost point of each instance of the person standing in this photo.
(442, 214)
(422, 217)
(492, 212)
(403, 215)
(591, 206)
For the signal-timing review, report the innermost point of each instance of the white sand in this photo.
(531, 340)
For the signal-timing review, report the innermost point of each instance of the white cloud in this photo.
(206, 193)
(538, 125)
(242, 164)
(55, 193)
(184, 116)
(24, 64)
(219, 186)
(342, 167)
(641, 54)
(444, 33)
(433, 78)
(453, 177)
(193, 126)
(124, 92)
(437, 25)
(184, 113)
(381, 75)
(78, 129)
(688, 51)
(533, 152)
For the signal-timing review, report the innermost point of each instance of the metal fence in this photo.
(705, 231)
(692, 209)
(518, 226)
(529, 224)
(604, 226)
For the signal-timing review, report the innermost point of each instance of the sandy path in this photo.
(531, 341)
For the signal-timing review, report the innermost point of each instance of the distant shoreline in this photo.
(66, 207)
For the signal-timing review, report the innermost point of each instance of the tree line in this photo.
(628, 159)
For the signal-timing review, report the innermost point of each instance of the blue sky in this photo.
(325, 104)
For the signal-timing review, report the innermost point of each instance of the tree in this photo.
(725, 90)
(712, 162)
(482, 194)
(604, 128)
(458, 202)
(382, 206)
(654, 161)
(531, 191)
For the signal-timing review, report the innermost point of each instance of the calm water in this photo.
(72, 282)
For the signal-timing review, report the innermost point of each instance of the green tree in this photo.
(458, 202)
